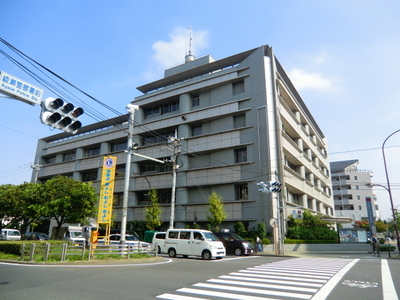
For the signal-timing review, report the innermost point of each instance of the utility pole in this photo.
(174, 158)
(37, 168)
(131, 109)
(274, 188)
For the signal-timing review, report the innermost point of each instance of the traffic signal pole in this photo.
(131, 109)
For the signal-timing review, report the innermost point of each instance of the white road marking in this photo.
(389, 292)
(328, 287)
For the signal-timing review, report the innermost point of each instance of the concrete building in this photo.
(237, 121)
(351, 187)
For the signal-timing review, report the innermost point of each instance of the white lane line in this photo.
(389, 292)
(296, 271)
(233, 258)
(222, 294)
(279, 277)
(265, 285)
(323, 293)
(178, 297)
(250, 270)
(305, 268)
(317, 285)
(254, 291)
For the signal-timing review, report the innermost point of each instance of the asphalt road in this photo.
(342, 278)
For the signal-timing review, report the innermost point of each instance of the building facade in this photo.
(228, 124)
(351, 187)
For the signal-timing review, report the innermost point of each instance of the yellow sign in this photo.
(107, 189)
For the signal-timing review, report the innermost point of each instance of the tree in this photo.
(69, 200)
(262, 230)
(8, 199)
(239, 229)
(153, 211)
(217, 211)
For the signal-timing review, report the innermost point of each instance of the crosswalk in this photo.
(298, 278)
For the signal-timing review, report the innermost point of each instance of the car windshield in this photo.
(76, 234)
(43, 235)
(131, 238)
(13, 233)
(237, 237)
(210, 236)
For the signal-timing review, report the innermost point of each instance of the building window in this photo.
(119, 147)
(197, 130)
(359, 207)
(154, 167)
(89, 176)
(355, 177)
(238, 87)
(148, 112)
(357, 187)
(170, 107)
(118, 198)
(92, 152)
(158, 138)
(240, 155)
(239, 121)
(50, 160)
(120, 171)
(358, 197)
(241, 192)
(69, 156)
(196, 101)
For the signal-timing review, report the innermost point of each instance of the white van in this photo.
(193, 242)
(10, 234)
(159, 241)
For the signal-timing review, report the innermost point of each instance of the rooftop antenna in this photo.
(189, 57)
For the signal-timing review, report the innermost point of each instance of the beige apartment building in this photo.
(236, 122)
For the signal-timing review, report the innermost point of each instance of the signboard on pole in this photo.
(370, 213)
(107, 190)
(19, 89)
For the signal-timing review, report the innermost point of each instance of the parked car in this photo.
(10, 234)
(38, 236)
(130, 240)
(234, 243)
(159, 241)
(193, 242)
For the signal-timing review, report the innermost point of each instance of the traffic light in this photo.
(263, 187)
(57, 114)
(275, 186)
(299, 214)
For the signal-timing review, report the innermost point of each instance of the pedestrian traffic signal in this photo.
(60, 115)
(275, 186)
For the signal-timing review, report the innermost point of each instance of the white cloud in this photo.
(172, 52)
(304, 80)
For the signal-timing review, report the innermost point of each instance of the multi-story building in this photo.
(351, 187)
(237, 121)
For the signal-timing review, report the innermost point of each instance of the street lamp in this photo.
(390, 191)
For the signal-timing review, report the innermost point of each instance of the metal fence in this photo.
(63, 252)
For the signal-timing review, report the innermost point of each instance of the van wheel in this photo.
(172, 252)
(206, 255)
(238, 252)
(159, 249)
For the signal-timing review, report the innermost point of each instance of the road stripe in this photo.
(389, 291)
(323, 293)
(271, 281)
(178, 297)
(254, 291)
(251, 270)
(279, 277)
(222, 294)
(265, 285)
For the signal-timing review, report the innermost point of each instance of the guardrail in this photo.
(62, 252)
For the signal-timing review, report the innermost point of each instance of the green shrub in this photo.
(265, 241)
(239, 229)
(262, 230)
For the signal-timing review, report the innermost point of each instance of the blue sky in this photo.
(343, 57)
